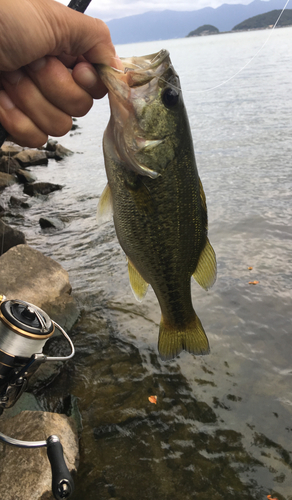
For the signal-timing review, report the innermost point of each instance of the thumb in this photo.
(80, 34)
(77, 34)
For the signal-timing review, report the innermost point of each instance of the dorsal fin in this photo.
(138, 284)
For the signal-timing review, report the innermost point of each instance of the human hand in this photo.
(39, 40)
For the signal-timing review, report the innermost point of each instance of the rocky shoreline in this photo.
(29, 275)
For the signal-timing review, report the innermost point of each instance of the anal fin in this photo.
(206, 270)
(138, 284)
(104, 210)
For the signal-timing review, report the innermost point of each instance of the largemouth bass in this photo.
(159, 206)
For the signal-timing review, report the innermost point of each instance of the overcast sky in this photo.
(110, 9)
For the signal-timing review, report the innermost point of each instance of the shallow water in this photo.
(221, 428)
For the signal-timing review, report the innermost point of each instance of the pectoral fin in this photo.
(206, 270)
(104, 211)
(138, 284)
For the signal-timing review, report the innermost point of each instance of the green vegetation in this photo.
(206, 29)
(266, 20)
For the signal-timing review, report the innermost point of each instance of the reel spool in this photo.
(24, 330)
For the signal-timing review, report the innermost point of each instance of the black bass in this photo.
(158, 202)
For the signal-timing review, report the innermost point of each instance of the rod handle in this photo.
(62, 482)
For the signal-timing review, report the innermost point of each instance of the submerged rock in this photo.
(41, 188)
(51, 223)
(9, 237)
(31, 157)
(27, 274)
(26, 473)
(25, 177)
(28, 401)
(18, 202)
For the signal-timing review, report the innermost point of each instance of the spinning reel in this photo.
(24, 330)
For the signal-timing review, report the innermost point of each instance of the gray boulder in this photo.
(59, 151)
(26, 473)
(9, 237)
(8, 165)
(27, 274)
(6, 180)
(51, 145)
(31, 157)
(10, 149)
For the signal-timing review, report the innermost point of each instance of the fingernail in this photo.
(38, 64)
(87, 78)
(13, 77)
(5, 101)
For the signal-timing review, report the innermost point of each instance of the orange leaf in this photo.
(270, 497)
(250, 268)
(153, 399)
(253, 282)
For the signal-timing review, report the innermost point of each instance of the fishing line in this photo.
(248, 62)
(237, 72)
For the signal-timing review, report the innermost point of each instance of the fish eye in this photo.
(170, 97)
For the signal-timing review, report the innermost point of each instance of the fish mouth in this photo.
(130, 90)
(138, 72)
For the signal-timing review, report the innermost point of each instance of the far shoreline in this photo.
(237, 31)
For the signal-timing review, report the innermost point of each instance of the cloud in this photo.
(111, 9)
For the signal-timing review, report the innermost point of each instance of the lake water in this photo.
(222, 426)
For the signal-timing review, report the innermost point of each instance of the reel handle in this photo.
(62, 482)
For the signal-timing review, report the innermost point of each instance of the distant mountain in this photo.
(266, 20)
(177, 24)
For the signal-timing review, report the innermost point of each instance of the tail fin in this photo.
(191, 338)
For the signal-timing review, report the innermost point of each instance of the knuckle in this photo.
(82, 105)
(60, 127)
(37, 141)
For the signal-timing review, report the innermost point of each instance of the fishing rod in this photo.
(79, 6)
